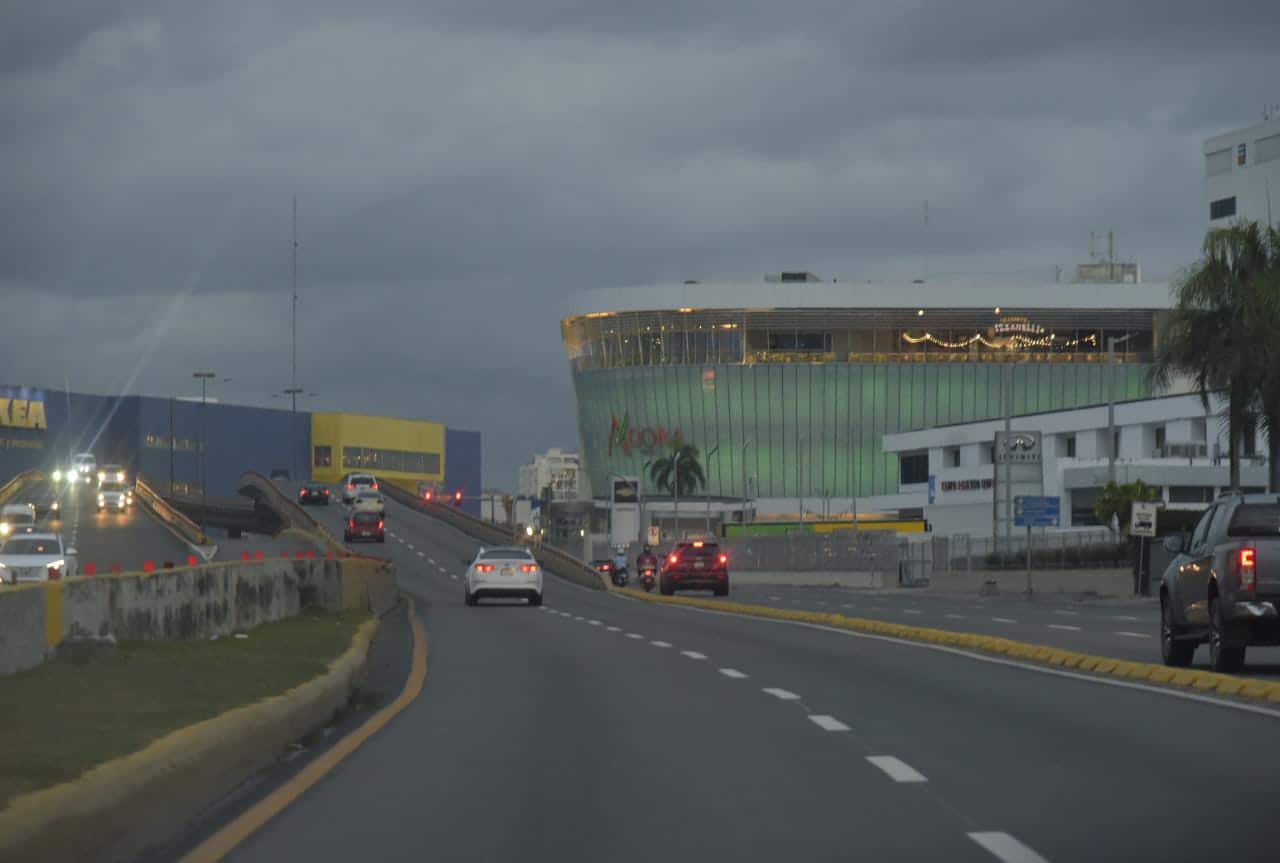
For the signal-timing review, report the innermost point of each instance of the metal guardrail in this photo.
(161, 509)
(552, 559)
(14, 487)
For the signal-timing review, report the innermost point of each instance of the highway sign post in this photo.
(1142, 524)
(1035, 511)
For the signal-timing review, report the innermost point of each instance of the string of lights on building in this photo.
(1015, 341)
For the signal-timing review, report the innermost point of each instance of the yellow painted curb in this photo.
(229, 837)
(1147, 671)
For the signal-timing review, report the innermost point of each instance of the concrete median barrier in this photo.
(118, 809)
(1205, 681)
(178, 524)
(183, 602)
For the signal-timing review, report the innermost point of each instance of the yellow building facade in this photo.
(400, 451)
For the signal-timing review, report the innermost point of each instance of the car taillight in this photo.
(484, 567)
(379, 524)
(54, 572)
(374, 486)
(673, 559)
(724, 559)
(427, 496)
(351, 486)
(528, 567)
(352, 523)
(1249, 569)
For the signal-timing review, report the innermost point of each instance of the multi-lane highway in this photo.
(125, 539)
(602, 728)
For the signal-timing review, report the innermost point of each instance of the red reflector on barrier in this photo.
(192, 560)
(300, 555)
(90, 569)
(257, 555)
(115, 567)
(149, 566)
(244, 555)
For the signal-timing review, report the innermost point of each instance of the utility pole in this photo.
(292, 393)
(204, 378)
(293, 379)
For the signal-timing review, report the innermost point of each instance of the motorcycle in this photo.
(648, 575)
(619, 576)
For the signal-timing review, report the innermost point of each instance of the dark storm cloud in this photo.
(463, 165)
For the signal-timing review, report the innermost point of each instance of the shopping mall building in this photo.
(789, 385)
(163, 439)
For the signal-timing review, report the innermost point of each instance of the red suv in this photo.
(365, 525)
(696, 565)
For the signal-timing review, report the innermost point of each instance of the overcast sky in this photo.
(461, 167)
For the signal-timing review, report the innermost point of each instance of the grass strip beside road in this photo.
(1204, 681)
(69, 715)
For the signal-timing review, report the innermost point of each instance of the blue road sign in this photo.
(1036, 511)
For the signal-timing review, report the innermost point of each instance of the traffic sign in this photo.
(1031, 511)
(1143, 520)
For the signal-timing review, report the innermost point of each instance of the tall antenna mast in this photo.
(294, 307)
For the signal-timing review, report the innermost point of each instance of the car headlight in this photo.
(102, 474)
(57, 476)
(101, 500)
(57, 564)
(6, 529)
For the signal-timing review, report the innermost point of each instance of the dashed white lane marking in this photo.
(578, 617)
(660, 643)
(1133, 634)
(897, 770)
(847, 605)
(442, 569)
(693, 654)
(410, 546)
(1006, 849)
(614, 628)
(782, 693)
(421, 554)
(776, 598)
(821, 602)
(1064, 627)
(635, 635)
(431, 560)
(1065, 612)
(565, 614)
(732, 673)
(1125, 617)
(1004, 620)
(594, 622)
(827, 723)
(454, 577)
(399, 540)
(955, 617)
(912, 611)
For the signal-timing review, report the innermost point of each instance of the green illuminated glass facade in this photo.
(810, 422)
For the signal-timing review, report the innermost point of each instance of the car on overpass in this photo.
(695, 565)
(369, 501)
(112, 473)
(364, 527)
(114, 496)
(352, 483)
(508, 571)
(17, 518)
(35, 557)
(314, 492)
(1223, 584)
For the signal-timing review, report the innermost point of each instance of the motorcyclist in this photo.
(647, 560)
(620, 565)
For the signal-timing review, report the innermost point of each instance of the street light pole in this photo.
(293, 392)
(1112, 341)
(745, 444)
(204, 378)
(707, 487)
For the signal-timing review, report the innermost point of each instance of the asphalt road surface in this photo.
(601, 728)
(127, 539)
(1119, 628)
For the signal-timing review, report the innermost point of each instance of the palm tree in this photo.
(1220, 324)
(1268, 358)
(678, 472)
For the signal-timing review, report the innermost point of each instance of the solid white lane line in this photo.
(897, 770)
(693, 654)
(634, 635)
(660, 643)
(1064, 611)
(614, 628)
(827, 723)
(955, 617)
(732, 673)
(1006, 849)
(1064, 627)
(1134, 634)
(912, 611)
(1004, 620)
(782, 693)
(1125, 617)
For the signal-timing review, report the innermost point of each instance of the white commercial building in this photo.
(1171, 443)
(554, 469)
(1242, 174)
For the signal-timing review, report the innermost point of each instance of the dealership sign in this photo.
(627, 438)
(954, 485)
(22, 414)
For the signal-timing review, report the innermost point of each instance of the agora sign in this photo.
(646, 440)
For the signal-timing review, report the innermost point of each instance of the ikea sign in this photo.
(22, 414)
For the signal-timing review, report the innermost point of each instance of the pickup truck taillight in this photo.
(722, 560)
(1248, 566)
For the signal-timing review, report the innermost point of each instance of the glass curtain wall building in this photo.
(793, 386)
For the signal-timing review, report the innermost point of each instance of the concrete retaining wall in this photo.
(192, 602)
(1103, 582)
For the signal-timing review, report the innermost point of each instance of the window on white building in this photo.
(1223, 208)
(1067, 446)
(1218, 162)
(1266, 149)
(987, 454)
(951, 456)
(913, 468)
(1160, 439)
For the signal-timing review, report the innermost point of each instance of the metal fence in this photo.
(1075, 550)
(840, 551)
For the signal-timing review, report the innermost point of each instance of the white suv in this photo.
(504, 572)
(17, 518)
(355, 483)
